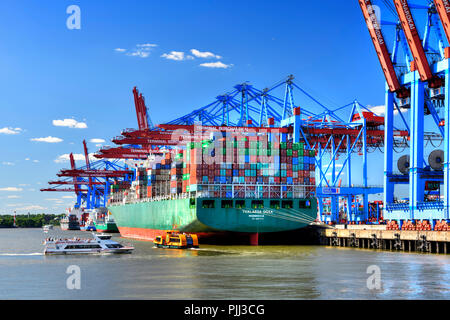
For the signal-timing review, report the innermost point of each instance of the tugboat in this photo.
(176, 240)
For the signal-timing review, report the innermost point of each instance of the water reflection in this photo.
(218, 272)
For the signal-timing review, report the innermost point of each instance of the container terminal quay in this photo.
(261, 165)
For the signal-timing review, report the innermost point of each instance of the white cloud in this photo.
(68, 197)
(174, 55)
(27, 159)
(29, 207)
(48, 139)
(76, 156)
(97, 140)
(35, 161)
(13, 197)
(141, 50)
(7, 163)
(9, 130)
(139, 53)
(120, 50)
(217, 64)
(205, 54)
(11, 189)
(71, 123)
(24, 185)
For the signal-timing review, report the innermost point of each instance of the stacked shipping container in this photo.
(241, 160)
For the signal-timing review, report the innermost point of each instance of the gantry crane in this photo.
(427, 80)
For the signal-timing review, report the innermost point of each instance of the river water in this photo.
(217, 272)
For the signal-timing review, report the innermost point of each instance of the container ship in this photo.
(71, 221)
(237, 188)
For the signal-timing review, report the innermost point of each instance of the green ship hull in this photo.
(208, 216)
(110, 227)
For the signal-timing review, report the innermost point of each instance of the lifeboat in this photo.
(176, 240)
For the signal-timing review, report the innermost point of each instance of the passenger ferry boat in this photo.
(176, 240)
(99, 244)
(47, 227)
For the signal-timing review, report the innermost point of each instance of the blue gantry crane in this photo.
(337, 135)
(91, 183)
(417, 93)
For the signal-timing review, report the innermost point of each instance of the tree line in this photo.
(30, 221)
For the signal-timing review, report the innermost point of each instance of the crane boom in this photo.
(443, 9)
(381, 48)
(88, 165)
(415, 44)
(141, 110)
(72, 165)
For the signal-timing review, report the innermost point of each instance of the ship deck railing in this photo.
(230, 191)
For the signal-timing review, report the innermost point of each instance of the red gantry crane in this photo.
(443, 9)
(420, 62)
(381, 49)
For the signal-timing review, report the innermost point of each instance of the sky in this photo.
(59, 86)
